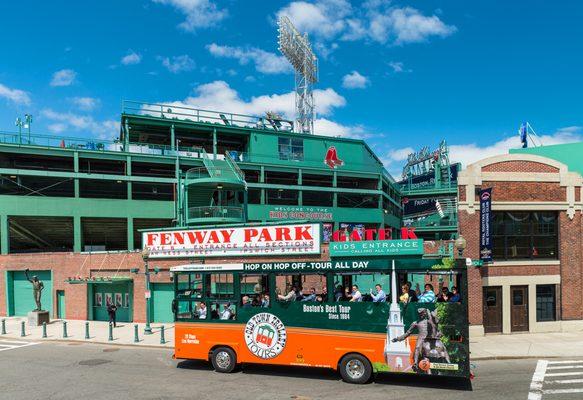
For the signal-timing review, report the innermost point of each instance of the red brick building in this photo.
(535, 281)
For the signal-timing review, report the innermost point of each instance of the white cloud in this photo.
(86, 103)
(324, 19)
(398, 66)
(265, 62)
(218, 95)
(178, 63)
(64, 77)
(355, 80)
(16, 96)
(406, 25)
(198, 13)
(131, 58)
(74, 122)
(377, 20)
(470, 153)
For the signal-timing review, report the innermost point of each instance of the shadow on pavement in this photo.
(424, 381)
(290, 372)
(194, 364)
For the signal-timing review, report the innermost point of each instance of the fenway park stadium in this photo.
(75, 212)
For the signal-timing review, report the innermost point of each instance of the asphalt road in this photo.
(87, 371)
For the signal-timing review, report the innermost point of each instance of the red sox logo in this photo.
(332, 159)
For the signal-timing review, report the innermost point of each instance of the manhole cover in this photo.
(94, 362)
(110, 350)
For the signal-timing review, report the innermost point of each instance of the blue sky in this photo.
(401, 74)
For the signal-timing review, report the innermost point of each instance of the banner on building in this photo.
(300, 212)
(292, 239)
(485, 224)
(368, 248)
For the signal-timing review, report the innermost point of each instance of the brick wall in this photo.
(469, 228)
(570, 250)
(519, 166)
(526, 191)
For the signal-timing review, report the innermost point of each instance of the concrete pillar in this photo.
(77, 234)
(172, 138)
(4, 234)
(130, 233)
(214, 143)
(76, 169)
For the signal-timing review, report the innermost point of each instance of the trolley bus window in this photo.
(223, 311)
(220, 286)
(255, 290)
(301, 287)
(189, 285)
(362, 287)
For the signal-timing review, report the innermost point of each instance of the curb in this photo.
(108, 343)
(502, 358)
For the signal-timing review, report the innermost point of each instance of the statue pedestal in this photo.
(36, 318)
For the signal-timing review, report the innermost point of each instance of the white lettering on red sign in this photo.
(244, 241)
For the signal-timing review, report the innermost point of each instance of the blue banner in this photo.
(485, 224)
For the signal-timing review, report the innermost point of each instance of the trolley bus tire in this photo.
(224, 359)
(355, 368)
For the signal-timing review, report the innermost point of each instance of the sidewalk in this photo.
(529, 345)
(98, 332)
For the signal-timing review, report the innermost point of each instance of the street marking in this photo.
(536, 385)
(559, 391)
(566, 362)
(566, 367)
(566, 381)
(14, 344)
(565, 374)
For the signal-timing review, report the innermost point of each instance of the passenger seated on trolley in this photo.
(311, 296)
(380, 296)
(246, 302)
(455, 296)
(200, 311)
(291, 296)
(339, 293)
(227, 312)
(265, 300)
(355, 296)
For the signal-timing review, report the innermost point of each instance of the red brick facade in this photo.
(525, 195)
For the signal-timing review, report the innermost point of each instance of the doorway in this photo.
(61, 304)
(518, 308)
(493, 309)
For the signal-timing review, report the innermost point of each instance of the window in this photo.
(220, 286)
(545, 303)
(525, 235)
(301, 287)
(254, 291)
(189, 285)
(346, 285)
(291, 149)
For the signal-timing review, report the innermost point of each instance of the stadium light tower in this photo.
(298, 51)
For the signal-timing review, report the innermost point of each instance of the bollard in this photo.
(22, 332)
(44, 330)
(4, 327)
(162, 338)
(86, 330)
(110, 338)
(136, 338)
(65, 330)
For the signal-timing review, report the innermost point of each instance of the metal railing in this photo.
(65, 142)
(215, 212)
(234, 166)
(172, 111)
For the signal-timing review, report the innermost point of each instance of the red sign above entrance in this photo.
(372, 234)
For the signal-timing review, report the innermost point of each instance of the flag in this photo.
(523, 137)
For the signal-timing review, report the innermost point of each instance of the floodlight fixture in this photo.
(297, 50)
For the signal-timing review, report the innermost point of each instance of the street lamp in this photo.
(147, 273)
(28, 122)
(460, 245)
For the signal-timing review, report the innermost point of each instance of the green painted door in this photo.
(120, 293)
(22, 301)
(162, 295)
(61, 304)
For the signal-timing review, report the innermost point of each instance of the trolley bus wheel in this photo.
(224, 359)
(355, 368)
